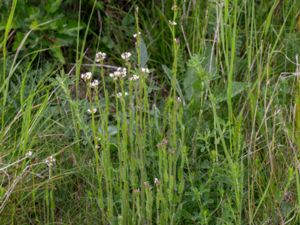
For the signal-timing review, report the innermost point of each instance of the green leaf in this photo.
(99, 5)
(53, 5)
(2, 191)
(128, 20)
(18, 39)
(112, 130)
(56, 51)
(189, 83)
(168, 72)
(34, 24)
(70, 27)
(237, 88)
(144, 53)
(108, 42)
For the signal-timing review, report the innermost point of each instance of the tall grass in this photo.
(200, 125)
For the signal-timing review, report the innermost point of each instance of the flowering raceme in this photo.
(126, 56)
(100, 56)
(86, 76)
(121, 72)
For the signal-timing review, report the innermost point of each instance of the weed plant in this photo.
(150, 112)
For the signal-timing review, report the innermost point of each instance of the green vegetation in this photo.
(149, 112)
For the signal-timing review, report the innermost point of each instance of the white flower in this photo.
(29, 154)
(145, 70)
(172, 23)
(86, 76)
(178, 99)
(119, 95)
(136, 190)
(126, 56)
(94, 84)
(93, 110)
(117, 73)
(112, 75)
(100, 56)
(156, 181)
(50, 161)
(121, 72)
(134, 77)
(136, 34)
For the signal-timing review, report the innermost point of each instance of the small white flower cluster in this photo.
(100, 56)
(119, 95)
(50, 161)
(145, 70)
(148, 186)
(86, 76)
(134, 77)
(136, 34)
(29, 154)
(172, 23)
(92, 110)
(135, 191)
(94, 84)
(121, 72)
(126, 56)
